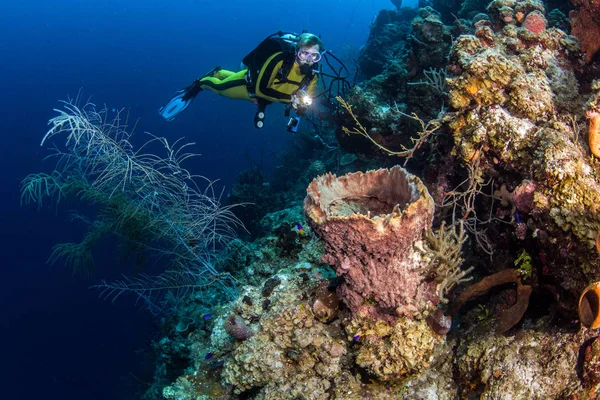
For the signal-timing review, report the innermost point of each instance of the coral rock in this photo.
(585, 24)
(591, 365)
(536, 364)
(326, 304)
(535, 22)
(391, 351)
(290, 356)
(523, 196)
(439, 322)
(237, 328)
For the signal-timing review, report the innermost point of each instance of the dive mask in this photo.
(304, 55)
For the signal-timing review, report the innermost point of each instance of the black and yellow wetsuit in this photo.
(269, 87)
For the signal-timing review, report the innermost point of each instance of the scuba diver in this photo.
(282, 68)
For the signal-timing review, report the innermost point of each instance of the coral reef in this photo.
(431, 39)
(591, 369)
(518, 113)
(408, 90)
(293, 354)
(200, 385)
(279, 246)
(387, 39)
(253, 191)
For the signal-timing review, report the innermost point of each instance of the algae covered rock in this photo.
(533, 364)
(393, 350)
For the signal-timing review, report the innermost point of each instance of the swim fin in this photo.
(180, 101)
(184, 97)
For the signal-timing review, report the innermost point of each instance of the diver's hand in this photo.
(296, 104)
(301, 101)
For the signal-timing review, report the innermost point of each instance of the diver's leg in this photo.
(227, 83)
(223, 74)
(232, 86)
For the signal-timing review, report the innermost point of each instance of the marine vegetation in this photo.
(153, 206)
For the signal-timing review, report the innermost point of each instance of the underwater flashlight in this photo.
(304, 98)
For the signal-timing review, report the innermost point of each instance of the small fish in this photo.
(206, 316)
(301, 230)
(356, 338)
(208, 356)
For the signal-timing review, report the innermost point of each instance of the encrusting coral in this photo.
(535, 364)
(391, 351)
(585, 24)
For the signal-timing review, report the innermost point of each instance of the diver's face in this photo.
(308, 55)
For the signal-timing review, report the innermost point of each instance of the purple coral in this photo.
(523, 195)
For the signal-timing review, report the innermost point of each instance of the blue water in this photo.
(59, 340)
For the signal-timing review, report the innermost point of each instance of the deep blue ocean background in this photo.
(59, 339)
